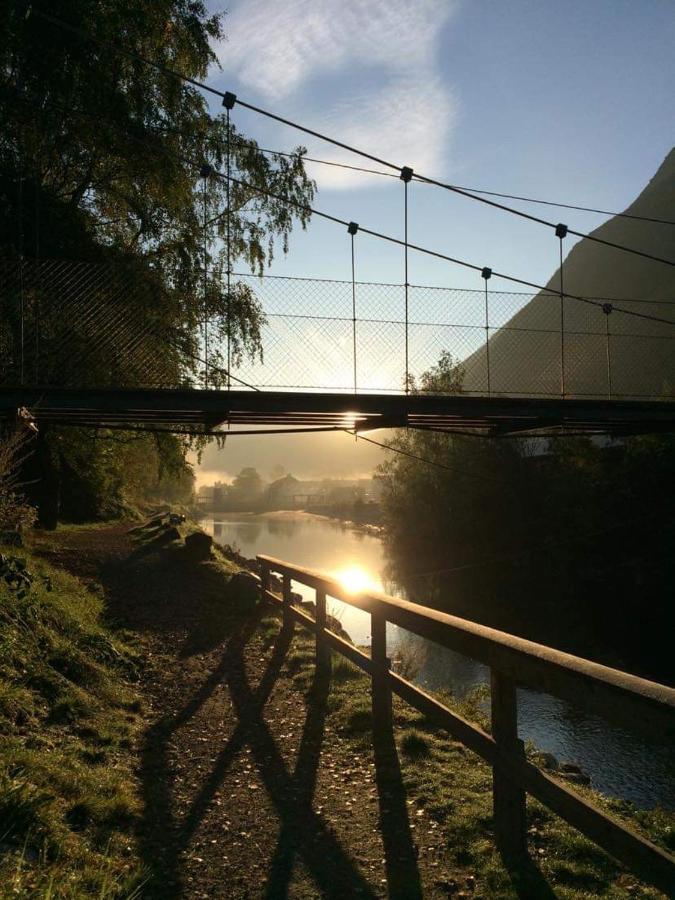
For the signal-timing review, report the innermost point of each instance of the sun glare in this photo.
(355, 579)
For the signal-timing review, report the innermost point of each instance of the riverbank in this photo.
(363, 527)
(252, 776)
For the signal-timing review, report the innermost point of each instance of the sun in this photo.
(355, 579)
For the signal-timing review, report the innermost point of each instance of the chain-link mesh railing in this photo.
(78, 324)
(82, 324)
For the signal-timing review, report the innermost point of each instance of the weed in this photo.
(415, 745)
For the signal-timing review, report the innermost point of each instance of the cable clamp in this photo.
(486, 273)
(229, 99)
(560, 230)
(406, 174)
(205, 170)
(607, 308)
(352, 228)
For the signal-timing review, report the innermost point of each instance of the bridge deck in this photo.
(183, 409)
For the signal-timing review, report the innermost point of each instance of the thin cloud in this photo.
(280, 50)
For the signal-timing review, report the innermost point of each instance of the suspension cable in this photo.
(351, 149)
(390, 239)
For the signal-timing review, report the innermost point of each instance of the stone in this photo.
(577, 778)
(157, 522)
(198, 545)
(575, 774)
(244, 586)
(546, 761)
(11, 538)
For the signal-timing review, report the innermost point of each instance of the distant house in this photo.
(280, 493)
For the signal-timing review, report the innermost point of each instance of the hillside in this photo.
(642, 352)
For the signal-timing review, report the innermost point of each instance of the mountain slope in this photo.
(525, 353)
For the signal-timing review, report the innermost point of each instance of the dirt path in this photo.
(249, 791)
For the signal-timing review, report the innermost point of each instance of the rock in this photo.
(166, 536)
(198, 545)
(577, 777)
(575, 774)
(157, 522)
(244, 586)
(546, 761)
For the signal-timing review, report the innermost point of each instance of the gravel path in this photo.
(248, 790)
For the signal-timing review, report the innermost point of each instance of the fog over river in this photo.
(619, 763)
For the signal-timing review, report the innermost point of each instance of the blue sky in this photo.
(572, 101)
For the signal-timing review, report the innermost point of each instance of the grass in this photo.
(452, 788)
(68, 719)
(69, 805)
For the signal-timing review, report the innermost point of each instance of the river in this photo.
(619, 763)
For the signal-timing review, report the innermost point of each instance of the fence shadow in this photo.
(527, 878)
(304, 779)
(402, 872)
(162, 838)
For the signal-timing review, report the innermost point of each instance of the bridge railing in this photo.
(82, 324)
(632, 702)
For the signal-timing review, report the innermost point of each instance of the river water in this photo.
(619, 763)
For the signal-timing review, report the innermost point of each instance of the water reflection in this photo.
(355, 579)
(619, 763)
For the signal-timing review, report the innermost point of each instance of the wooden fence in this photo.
(629, 701)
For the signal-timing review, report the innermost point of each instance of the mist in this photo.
(329, 455)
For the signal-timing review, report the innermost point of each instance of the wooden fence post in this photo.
(381, 692)
(508, 799)
(288, 621)
(322, 649)
(264, 580)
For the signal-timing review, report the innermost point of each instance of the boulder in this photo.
(577, 777)
(574, 773)
(546, 761)
(198, 545)
(244, 586)
(11, 538)
(156, 522)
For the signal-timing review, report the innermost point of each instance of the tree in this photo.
(101, 153)
(101, 162)
(247, 487)
(566, 541)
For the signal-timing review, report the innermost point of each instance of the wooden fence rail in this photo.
(632, 702)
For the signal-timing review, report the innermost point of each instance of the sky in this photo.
(570, 101)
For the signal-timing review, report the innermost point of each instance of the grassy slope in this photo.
(68, 718)
(69, 798)
(448, 789)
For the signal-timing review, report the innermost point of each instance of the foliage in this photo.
(101, 157)
(15, 513)
(109, 168)
(246, 487)
(548, 539)
(68, 712)
(105, 474)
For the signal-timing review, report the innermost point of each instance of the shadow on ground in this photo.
(188, 606)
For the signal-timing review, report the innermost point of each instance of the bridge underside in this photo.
(209, 410)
